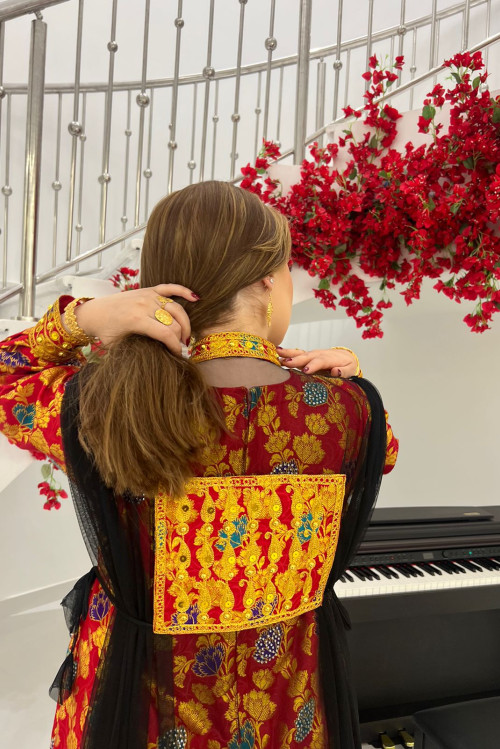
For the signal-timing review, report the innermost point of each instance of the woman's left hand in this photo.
(338, 362)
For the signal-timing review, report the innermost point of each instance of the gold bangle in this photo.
(79, 335)
(358, 372)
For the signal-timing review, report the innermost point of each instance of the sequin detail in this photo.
(304, 720)
(288, 467)
(315, 394)
(268, 644)
(175, 738)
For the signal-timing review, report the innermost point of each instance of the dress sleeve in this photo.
(35, 366)
(391, 454)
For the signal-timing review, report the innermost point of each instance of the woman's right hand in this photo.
(110, 317)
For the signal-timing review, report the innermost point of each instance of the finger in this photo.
(289, 352)
(298, 361)
(169, 335)
(175, 289)
(316, 364)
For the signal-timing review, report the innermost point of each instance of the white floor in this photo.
(32, 647)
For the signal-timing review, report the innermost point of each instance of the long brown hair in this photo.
(145, 413)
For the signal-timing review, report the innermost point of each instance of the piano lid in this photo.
(399, 526)
(431, 514)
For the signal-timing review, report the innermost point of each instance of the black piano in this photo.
(423, 595)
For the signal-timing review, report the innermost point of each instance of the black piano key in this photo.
(342, 579)
(385, 572)
(416, 570)
(445, 566)
(494, 562)
(394, 572)
(457, 567)
(469, 565)
(427, 569)
(372, 575)
(349, 577)
(487, 564)
(400, 568)
(360, 575)
(410, 569)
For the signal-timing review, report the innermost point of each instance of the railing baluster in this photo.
(142, 100)
(75, 129)
(208, 74)
(432, 46)
(6, 189)
(258, 110)
(438, 32)
(465, 25)
(148, 172)
(347, 70)
(79, 224)
(56, 184)
(401, 33)
(270, 44)
(172, 143)
(320, 97)
(128, 133)
(337, 63)
(280, 107)
(105, 176)
(2, 96)
(34, 123)
(235, 117)
(301, 97)
(413, 65)
(488, 27)
(215, 120)
(369, 38)
(192, 162)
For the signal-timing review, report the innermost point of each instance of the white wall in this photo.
(437, 379)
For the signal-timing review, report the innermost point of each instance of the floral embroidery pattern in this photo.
(268, 644)
(99, 606)
(176, 738)
(304, 721)
(208, 660)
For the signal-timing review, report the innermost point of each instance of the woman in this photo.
(194, 627)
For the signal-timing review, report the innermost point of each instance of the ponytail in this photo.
(145, 416)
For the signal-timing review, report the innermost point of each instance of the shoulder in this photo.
(318, 390)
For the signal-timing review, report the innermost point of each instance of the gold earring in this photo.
(269, 311)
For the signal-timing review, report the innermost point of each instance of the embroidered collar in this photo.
(221, 345)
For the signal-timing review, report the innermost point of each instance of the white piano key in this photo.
(445, 581)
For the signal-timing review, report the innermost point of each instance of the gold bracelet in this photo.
(358, 372)
(80, 336)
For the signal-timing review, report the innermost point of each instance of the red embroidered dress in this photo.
(238, 690)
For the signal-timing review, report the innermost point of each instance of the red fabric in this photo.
(254, 688)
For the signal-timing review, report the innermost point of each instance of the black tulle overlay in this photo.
(135, 671)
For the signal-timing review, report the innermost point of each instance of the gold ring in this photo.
(163, 300)
(164, 317)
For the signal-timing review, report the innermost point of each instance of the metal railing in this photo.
(128, 142)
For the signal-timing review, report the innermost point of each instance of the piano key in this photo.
(349, 577)
(385, 572)
(437, 575)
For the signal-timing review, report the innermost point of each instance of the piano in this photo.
(423, 596)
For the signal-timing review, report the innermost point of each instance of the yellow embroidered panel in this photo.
(244, 551)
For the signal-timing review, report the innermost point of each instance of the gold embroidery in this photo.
(222, 345)
(260, 551)
(50, 342)
(259, 705)
(195, 717)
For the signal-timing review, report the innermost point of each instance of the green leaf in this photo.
(353, 173)
(476, 82)
(46, 470)
(456, 77)
(430, 203)
(469, 163)
(383, 174)
(373, 142)
(428, 112)
(496, 114)
(388, 83)
(455, 207)
(324, 284)
(366, 310)
(340, 249)
(308, 216)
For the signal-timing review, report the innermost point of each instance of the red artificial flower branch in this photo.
(430, 211)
